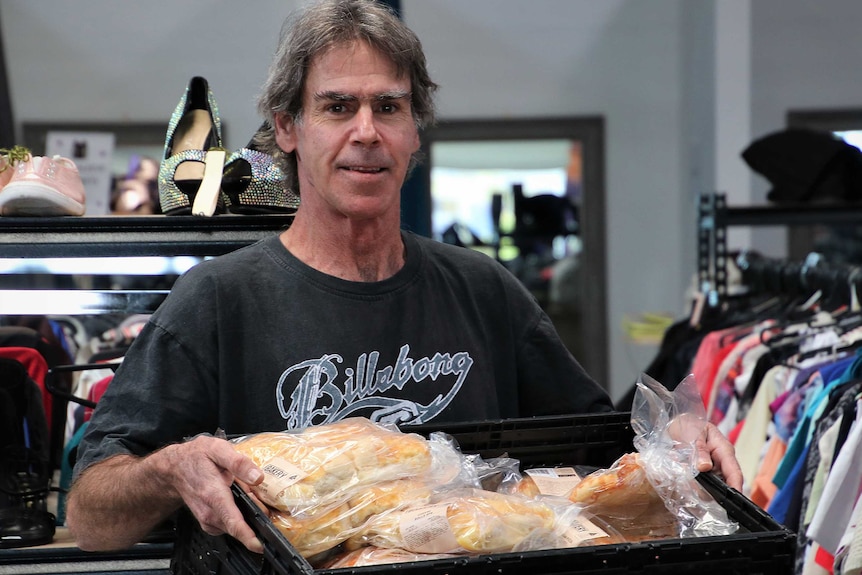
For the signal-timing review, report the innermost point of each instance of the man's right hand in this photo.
(203, 470)
(117, 502)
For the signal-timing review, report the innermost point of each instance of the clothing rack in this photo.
(715, 216)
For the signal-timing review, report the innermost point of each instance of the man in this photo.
(340, 315)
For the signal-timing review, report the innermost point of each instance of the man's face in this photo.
(356, 135)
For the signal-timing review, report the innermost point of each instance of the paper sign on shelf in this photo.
(93, 153)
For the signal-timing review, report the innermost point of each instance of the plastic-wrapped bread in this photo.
(325, 464)
(463, 521)
(318, 530)
(386, 496)
(325, 527)
(624, 484)
(623, 496)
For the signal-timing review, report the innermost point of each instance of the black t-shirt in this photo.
(256, 340)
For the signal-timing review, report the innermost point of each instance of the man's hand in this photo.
(115, 503)
(203, 470)
(716, 453)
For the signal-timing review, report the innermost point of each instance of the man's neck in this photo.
(364, 252)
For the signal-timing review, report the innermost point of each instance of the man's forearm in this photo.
(117, 502)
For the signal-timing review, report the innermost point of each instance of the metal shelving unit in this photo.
(119, 236)
(102, 236)
(715, 216)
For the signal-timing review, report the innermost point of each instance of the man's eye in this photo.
(388, 108)
(337, 108)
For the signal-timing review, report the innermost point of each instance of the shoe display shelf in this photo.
(26, 239)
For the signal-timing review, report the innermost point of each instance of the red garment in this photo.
(824, 559)
(37, 368)
(703, 365)
(95, 394)
(721, 353)
(734, 433)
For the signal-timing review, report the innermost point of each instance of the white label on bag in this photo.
(557, 481)
(582, 530)
(278, 475)
(426, 530)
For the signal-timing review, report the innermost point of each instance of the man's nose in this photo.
(365, 128)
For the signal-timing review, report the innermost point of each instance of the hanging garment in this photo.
(848, 559)
(842, 398)
(755, 429)
(815, 401)
(37, 369)
(762, 487)
(833, 514)
(737, 410)
(49, 354)
(24, 437)
(722, 386)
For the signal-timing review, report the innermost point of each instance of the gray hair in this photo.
(319, 27)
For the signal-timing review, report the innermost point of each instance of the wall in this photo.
(642, 65)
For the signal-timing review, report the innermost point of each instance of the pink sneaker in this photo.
(44, 187)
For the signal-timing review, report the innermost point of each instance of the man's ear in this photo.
(417, 142)
(285, 134)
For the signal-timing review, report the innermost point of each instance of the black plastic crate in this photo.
(760, 547)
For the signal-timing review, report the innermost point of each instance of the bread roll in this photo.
(386, 496)
(623, 497)
(625, 483)
(326, 464)
(317, 531)
(467, 521)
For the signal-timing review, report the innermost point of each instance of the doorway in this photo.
(530, 193)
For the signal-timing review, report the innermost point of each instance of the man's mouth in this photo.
(364, 169)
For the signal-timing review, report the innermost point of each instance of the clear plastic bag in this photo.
(321, 484)
(475, 521)
(468, 521)
(623, 496)
(667, 426)
(325, 527)
(653, 493)
(319, 466)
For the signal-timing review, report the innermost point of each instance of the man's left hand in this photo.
(716, 453)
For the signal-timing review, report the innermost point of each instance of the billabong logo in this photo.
(323, 395)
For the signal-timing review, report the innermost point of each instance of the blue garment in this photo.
(61, 336)
(783, 498)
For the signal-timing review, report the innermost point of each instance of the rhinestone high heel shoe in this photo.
(191, 170)
(254, 184)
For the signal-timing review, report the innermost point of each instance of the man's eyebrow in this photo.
(331, 95)
(393, 95)
(334, 96)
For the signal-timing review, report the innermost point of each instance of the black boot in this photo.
(25, 477)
